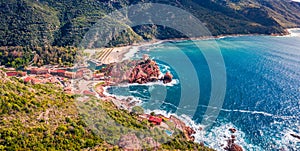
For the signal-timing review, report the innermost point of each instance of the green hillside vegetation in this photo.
(37, 24)
(42, 117)
(19, 57)
(64, 23)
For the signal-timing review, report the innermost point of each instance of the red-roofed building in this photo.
(27, 80)
(58, 72)
(22, 74)
(61, 72)
(39, 71)
(98, 76)
(12, 74)
(70, 75)
(155, 120)
(86, 92)
(53, 80)
(85, 70)
(79, 74)
(36, 81)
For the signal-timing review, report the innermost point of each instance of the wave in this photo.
(254, 112)
(172, 83)
(216, 137)
(294, 32)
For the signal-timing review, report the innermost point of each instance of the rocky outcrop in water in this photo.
(145, 71)
(167, 77)
(189, 133)
(231, 145)
(234, 147)
(136, 71)
(232, 130)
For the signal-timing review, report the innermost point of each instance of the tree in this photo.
(137, 110)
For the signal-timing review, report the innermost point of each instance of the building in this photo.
(85, 70)
(12, 73)
(98, 76)
(70, 75)
(36, 81)
(79, 74)
(28, 80)
(58, 72)
(86, 92)
(155, 120)
(39, 71)
(22, 74)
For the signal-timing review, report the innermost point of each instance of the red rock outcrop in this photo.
(145, 71)
(234, 147)
(167, 77)
(135, 71)
(189, 132)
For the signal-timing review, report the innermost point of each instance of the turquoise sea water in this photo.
(262, 89)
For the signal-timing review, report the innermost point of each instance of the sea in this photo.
(261, 81)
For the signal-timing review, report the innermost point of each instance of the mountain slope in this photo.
(43, 117)
(64, 23)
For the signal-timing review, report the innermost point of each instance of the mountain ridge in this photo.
(64, 23)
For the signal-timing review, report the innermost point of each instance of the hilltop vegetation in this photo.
(64, 23)
(29, 27)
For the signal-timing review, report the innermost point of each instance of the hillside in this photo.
(64, 23)
(42, 117)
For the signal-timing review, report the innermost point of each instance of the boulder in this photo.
(234, 147)
(296, 136)
(189, 132)
(168, 77)
(232, 130)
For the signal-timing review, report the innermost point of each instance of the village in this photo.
(59, 76)
(88, 81)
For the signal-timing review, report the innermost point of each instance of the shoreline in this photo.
(134, 48)
(131, 50)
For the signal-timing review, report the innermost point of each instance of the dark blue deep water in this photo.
(262, 89)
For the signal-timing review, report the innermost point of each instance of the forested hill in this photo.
(64, 22)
